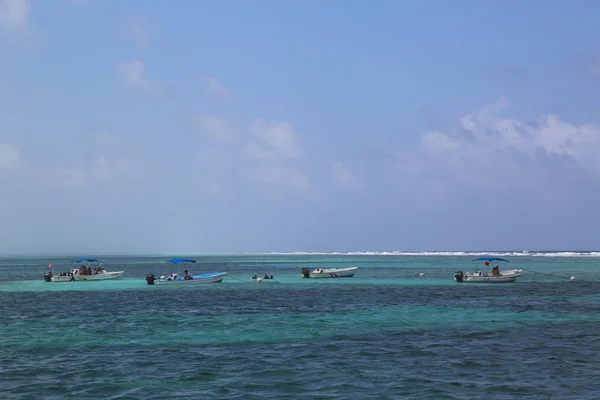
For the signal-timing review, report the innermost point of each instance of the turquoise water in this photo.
(386, 333)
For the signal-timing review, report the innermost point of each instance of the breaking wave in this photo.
(446, 253)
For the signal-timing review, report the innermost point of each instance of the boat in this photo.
(175, 279)
(78, 274)
(329, 272)
(481, 275)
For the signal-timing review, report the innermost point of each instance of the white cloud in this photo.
(489, 150)
(274, 154)
(437, 142)
(216, 127)
(216, 87)
(268, 156)
(344, 178)
(132, 74)
(278, 137)
(9, 156)
(110, 160)
(14, 16)
(550, 134)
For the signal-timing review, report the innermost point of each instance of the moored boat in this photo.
(84, 273)
(481, 275)
(329, 272)
(187, 279)
(215, 277)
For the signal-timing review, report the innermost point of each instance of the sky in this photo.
(132, 127)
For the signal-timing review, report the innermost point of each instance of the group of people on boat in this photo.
(83, 270)
(264, 277)
(495, 272)
(187, 276)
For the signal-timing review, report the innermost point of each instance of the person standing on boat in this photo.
(496, 271)
(188, 276)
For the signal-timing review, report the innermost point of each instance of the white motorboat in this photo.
(174, 279)
(84, 273)
(483, 276)
(187, 279)
(329, 272)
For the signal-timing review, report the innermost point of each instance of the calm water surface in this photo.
(386, 333)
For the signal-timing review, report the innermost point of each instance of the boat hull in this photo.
(330, 273)
(215, 277)
(59, 278)
(48, 277)
(100, 277)
(481, 277)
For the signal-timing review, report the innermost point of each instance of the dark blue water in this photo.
(385, 333)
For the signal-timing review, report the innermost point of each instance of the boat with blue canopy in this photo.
(481, 273)
(90, 269)
(187, 278)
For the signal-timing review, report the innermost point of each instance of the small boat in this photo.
(329, 272)
(495, 276)
(79, 274)
(174, 278)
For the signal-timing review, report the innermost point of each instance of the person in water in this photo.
(188, 276)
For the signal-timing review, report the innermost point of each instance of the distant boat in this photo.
(175, 279)
(329, 272)
(78, 274)
(494, 276)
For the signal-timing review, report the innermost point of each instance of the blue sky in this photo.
(272, 126)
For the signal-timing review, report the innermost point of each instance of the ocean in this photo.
(401, 328)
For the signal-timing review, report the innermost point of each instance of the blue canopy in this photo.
(84, 260)
(181, 260)
(490, 259)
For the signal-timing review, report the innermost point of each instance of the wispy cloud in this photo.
(268, 157)
(275, 139)
(15, 16)
(215, 87)
(344, 178)
(116, 159)
(584, 63)
(275, 154)
(216, 127)
(9, 156)
(132, 74)
(138, 30)
(282, 175)
(488, 151)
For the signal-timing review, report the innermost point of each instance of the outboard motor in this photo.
(458, 276)
(48, 276)
(150, 279)
(305, 273)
